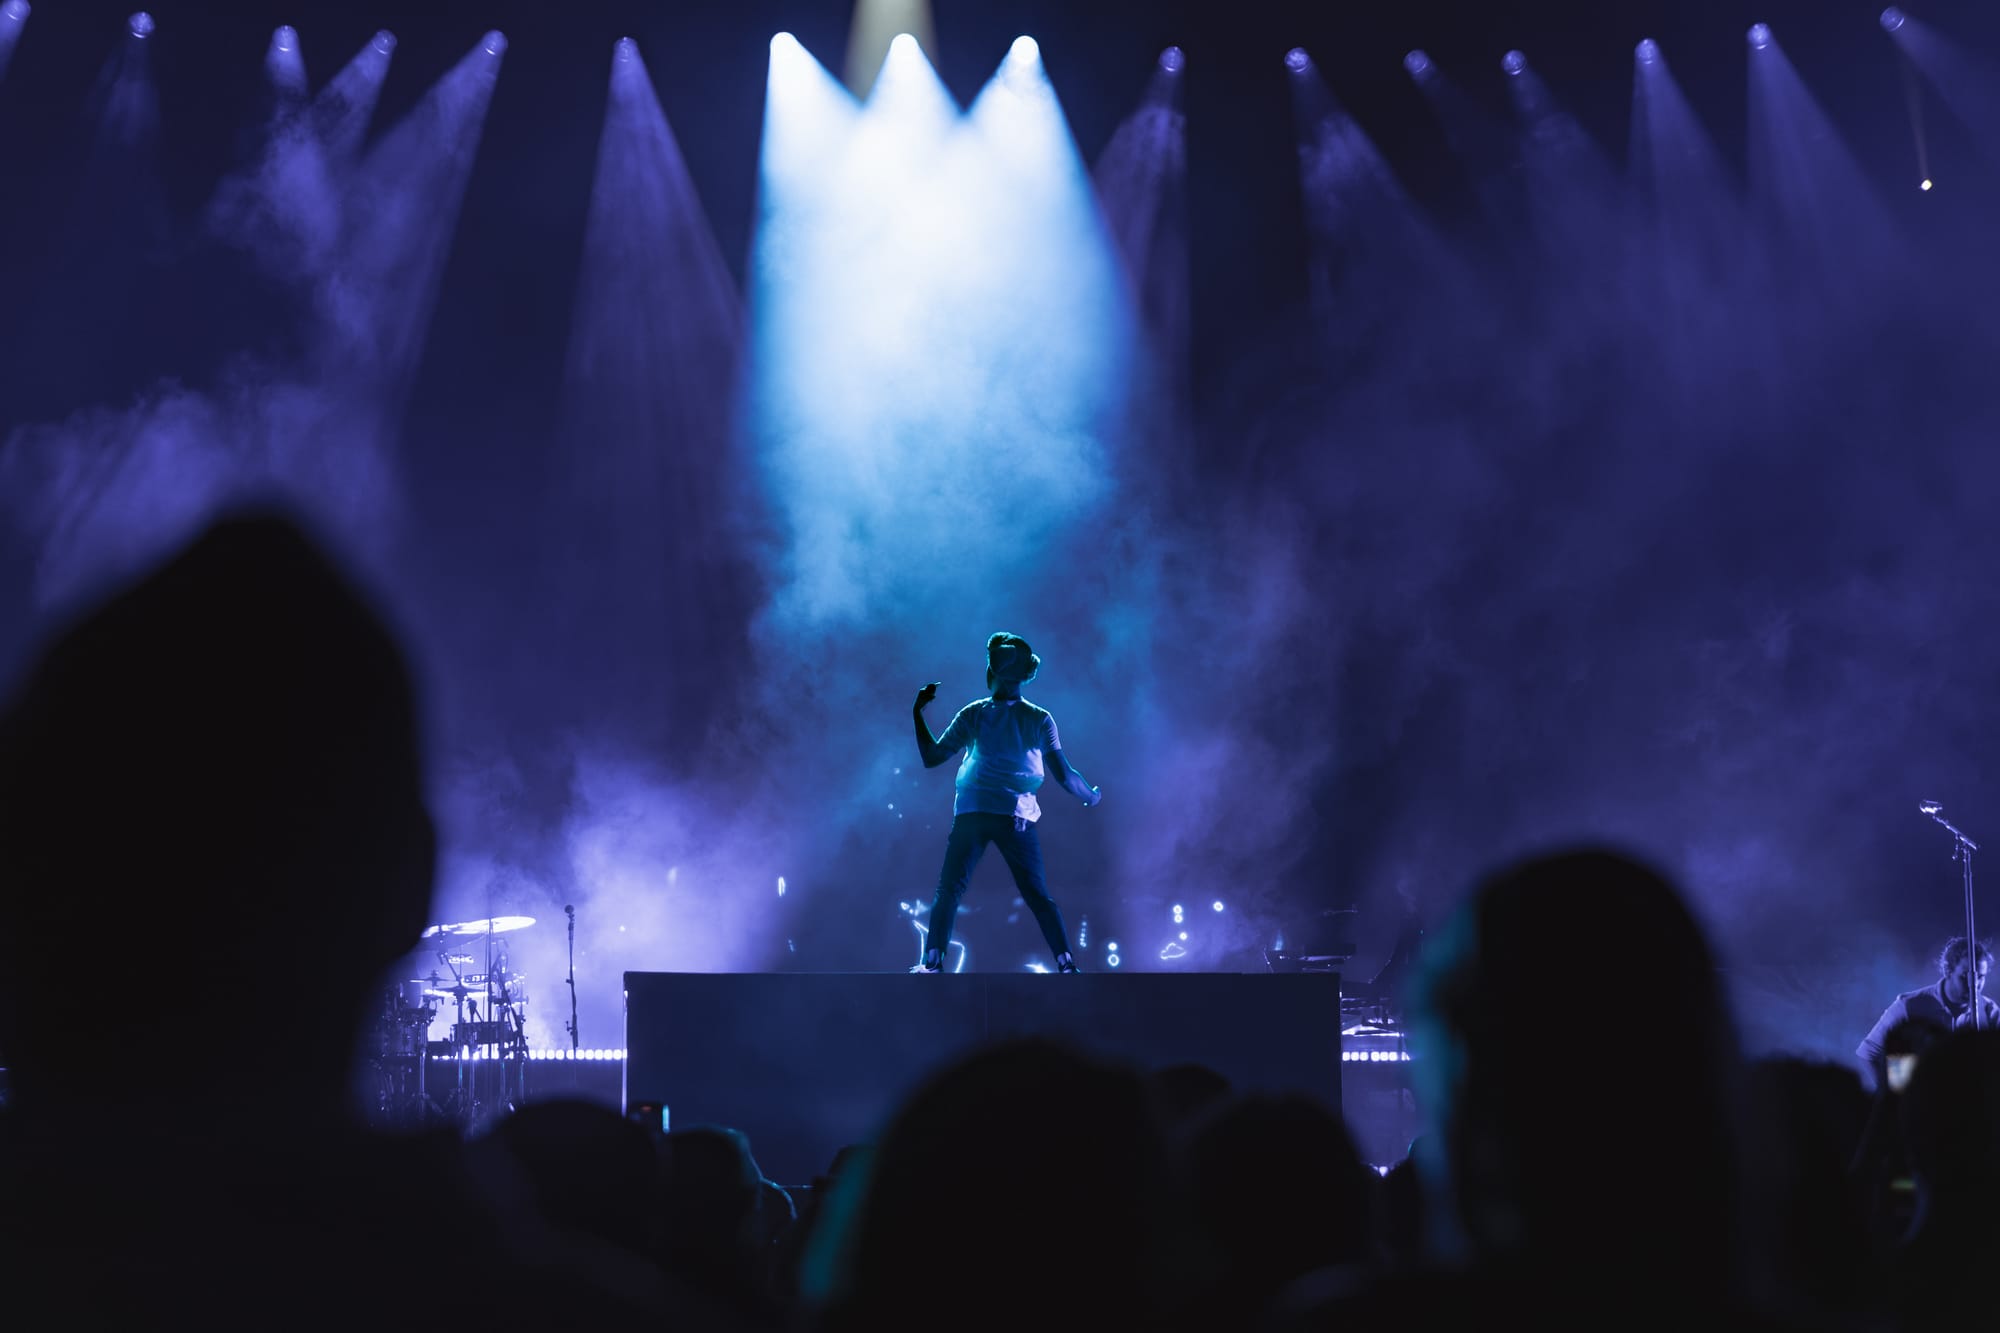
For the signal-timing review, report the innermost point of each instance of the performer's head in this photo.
(1010, 662)
(1959, 978)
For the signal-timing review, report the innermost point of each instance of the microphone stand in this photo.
(1963, 848)
(570, 911)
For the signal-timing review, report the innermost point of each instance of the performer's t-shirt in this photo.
(1004, 740)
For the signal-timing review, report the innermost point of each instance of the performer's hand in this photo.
(926, 694)
(1096, 798)
(1965, 1020)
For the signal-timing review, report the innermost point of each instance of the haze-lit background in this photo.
(1394, 473)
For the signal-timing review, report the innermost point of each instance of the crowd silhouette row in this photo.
(234, 742)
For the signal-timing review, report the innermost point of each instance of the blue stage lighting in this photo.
(286, 38)
(626, 48)
(1296, 59)
(1760, 35)
(141, 24)
(16, 10)
(1513, 62)
(902, 44)
(496, 43)
(1924, 184)
(1025, 49)
(1172, 59)
(1649, 51)
(385, 41)
(1892, 18)
(1217, 904)
(1418, 63)
(1113, 960)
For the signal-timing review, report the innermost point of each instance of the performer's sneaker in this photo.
(927, 969)
(1065, 963)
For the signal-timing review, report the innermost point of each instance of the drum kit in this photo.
(478, 1066)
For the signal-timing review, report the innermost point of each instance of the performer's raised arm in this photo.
(932, 752)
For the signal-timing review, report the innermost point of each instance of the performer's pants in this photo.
(1022, 851)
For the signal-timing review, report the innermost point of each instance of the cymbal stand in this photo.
(1962, 850)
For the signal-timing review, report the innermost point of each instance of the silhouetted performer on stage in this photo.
(1007, 743)
(1945, 1005)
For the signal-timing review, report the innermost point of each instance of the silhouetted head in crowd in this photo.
(711, 1230)
(220, 765)
(1278, 1191)
(1805, 1120)
(1187, 1093)
(1578, 1058)
(1951, 1122)
(1029, 1184)
(589, 1170)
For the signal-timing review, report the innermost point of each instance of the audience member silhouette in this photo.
(1277, 1192)
(1942, 1278)
(1808, 1217)
(1025, 1185)
(588, 1170)
(1565, 1187)
(218, 769)
(713, 1232)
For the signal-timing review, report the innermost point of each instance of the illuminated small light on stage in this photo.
(1417, 63)
(1113, 960)
(902, 44)
(1760, 35)
(1177, 909)
(1892, 18)
(1038, 967)
(1296, 59)
(385, 41)
(496, 43)
(141, 24)
(1025, 49)
(1924, 184)
(286, 38)
(1217, 904)
(1513, 62)
(16, 10)
(626, 48)
(781, 886)
(1172, 59)
(1111, 947)
(1184, 934)
(1649, 51)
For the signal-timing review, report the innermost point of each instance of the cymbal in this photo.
(491, 926)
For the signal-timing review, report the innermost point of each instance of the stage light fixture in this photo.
(1760, 35)
(1893, 18)
(1417, 63)
(16, 10)
(1113, 960)
(1648, 51)
(385, 41)
(1924, 184)
(902, 44)
(1513, 62)
(626, 49)
(496, 43)
(1296, 59)
(1217, 904)
(1025, 49)
(141, 24)
(1172, 59)
(286, 38)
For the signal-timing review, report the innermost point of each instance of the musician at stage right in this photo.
(1945, 1005)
